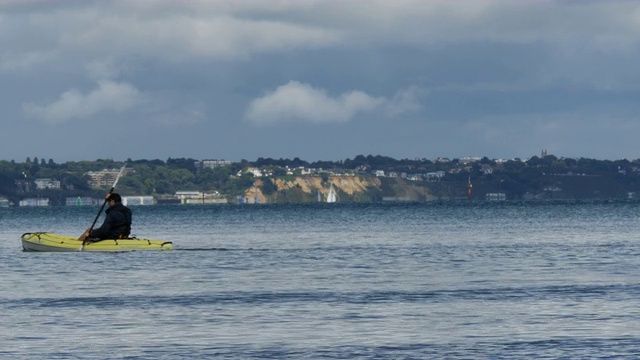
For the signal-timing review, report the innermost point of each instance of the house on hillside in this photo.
(211, 164)
(47, 184)
(105, 178)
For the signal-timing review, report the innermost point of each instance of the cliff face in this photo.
(348, 188)
(376, 189)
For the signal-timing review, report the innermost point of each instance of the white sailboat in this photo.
(332, 197)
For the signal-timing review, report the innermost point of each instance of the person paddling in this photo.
(117, 222)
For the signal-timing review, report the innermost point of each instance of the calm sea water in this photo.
(331, 281)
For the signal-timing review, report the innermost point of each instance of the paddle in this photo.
(106, 199)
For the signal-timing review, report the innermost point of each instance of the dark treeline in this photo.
(546, 176)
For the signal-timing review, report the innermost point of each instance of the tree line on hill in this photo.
(540, 176)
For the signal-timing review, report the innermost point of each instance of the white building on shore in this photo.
(81, 201)
(34, 202)
(199, 197)
(138, 200)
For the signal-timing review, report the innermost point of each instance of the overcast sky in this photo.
(318, 80)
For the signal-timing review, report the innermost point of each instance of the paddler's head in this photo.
(114, 198)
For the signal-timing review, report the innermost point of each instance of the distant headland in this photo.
(40, 182)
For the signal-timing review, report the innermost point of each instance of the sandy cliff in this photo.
(349, 189)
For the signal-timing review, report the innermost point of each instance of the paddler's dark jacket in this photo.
(116, 225)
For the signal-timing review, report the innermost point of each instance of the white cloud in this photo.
(108, 96)
(297, 101)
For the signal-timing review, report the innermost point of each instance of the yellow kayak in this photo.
(45, 241)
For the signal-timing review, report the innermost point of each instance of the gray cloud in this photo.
(219, 29)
